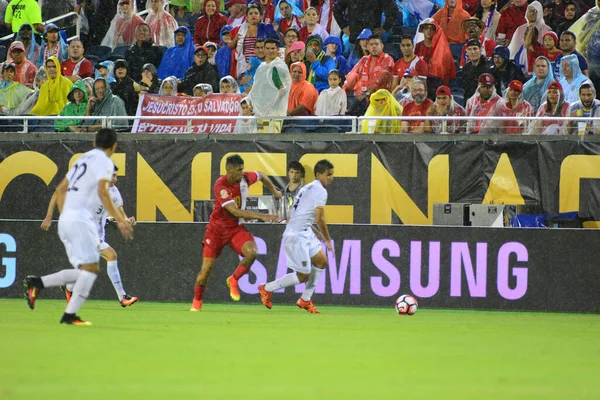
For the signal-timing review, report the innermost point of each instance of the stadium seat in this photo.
(456, 50)
(3, 52)
(119, 52)
(163, 49)
(393, 49)
(102, 52)
(93, 59)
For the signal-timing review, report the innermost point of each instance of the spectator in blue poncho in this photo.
(106, 70)
(333, 48)
(179, 58)
(223, 56)
(360, 50)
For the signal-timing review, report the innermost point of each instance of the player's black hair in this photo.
(260, 40)
(407, 37)
(273, 41)
(252, 5)
(234, 160)
(570, 34)
(322, 166)
(586, 85)
(297, 166)
(105, 138)
(335, 72)
(376, 37)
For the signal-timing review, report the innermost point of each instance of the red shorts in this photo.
(215, 240)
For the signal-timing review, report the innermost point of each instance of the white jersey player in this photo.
(302, 247)
(79, 195)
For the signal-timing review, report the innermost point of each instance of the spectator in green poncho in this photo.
(78, 100)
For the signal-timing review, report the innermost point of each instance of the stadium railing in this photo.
(581, 126)
(72, 14)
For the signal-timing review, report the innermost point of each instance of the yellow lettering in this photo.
(345, 166)
(26, 162)
(503, 187)
(152, 193)
(572, 170)
(272, 164)
(387, 195)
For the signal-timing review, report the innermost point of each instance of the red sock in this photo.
(198, 292)
(240, 271)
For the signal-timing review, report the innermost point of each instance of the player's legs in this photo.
(112, 268)
(243, 244)
(319, 263)
(201, 280)
(81, 291)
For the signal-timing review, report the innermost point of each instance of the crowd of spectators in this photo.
(466, 58)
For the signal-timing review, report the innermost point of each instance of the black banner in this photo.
(376, 182)
(444, 267)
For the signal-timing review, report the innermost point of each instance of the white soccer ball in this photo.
(406, 305)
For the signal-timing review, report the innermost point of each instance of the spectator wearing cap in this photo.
(512, 16)
(372, 73)
(311, 26)
(504, 69)
(124, 87)
(208, 26)
(450, 18)
(223, 56)
(244, 39)
(488, 14)
(482, 102)
(149, 81)
(76, 107)
(586, 106)
(212, 51)
(476, 66)
(24, 12)
(144, 51)
(297, 52)
(33, 51)
(179, 58)
(361, 49)
(77, 66)
(53, 45)
(122, 26)
(106, 70)
(408, 60)
(353, 16)
(25, 71)
(200, 72)
(237, 12)
(445, 106)
(473, 27)
(161, 23)
(511, 107)
(53, 93)
(548, 50)
(536, 87)
(179, 9)
(432, 46)
(12, 93)
(554, 106)
(418, 106)
(570, 15)
(402, 91)
(320, 64)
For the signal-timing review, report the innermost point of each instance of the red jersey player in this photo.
(226, 227)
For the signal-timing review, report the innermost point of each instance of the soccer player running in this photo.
(302, 247)
(79, 195)
(225, 226)
(106, 251)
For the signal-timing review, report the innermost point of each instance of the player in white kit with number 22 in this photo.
(79, 195)
(302, 246)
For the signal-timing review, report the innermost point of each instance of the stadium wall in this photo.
(445, 267)
(377, 182)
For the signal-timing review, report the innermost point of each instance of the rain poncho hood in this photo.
(295, 10)
(571, 88)
(178, 59)
(53, 93)
(518, 39)
(110, 68)
(442, 63)
(122, 28)
(533, 91)
(162, 24)
(452, 27)
(267, 99)
(246, 125)
(234, 85)
(110, 105)
(34, 52)
(72, 108)
(173, 81)
(391, 108)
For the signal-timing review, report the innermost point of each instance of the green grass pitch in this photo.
(235, 351)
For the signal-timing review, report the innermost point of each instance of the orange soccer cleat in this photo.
(127, 301)
(196, 305)
(234, 289)
(68, 293)
(307, 305)
(265, 296)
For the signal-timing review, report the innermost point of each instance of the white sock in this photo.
(115, 278)
(311, 284)
(81, 291)
(288, 280)
(70, 287)
(61, 278)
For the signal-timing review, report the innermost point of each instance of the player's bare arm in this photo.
(233, 209)
(109, 205)
(269, 184)
(58, 199)
(322, 224)
(131, 220)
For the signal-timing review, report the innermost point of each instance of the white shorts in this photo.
(299, 249)
(79, 234)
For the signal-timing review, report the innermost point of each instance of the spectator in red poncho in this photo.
(303, 95)
(512, 106)
(450, 19)
(268, 12)
(208, 27)
(418, 106)
(512, 17)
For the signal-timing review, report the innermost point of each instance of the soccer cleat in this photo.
(32, 285)
(234, 290)
(196, 305)
(68, 293)
(127, 301)
(265, 296)
(72, 319)
(307, 305)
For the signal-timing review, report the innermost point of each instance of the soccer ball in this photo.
(406, 305)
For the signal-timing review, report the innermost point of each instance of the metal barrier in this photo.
(59, 18)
